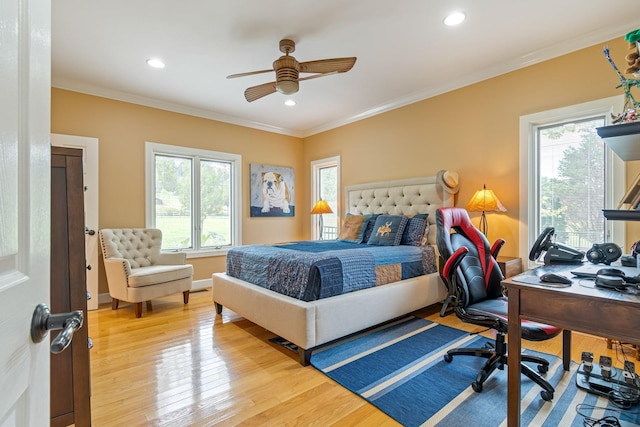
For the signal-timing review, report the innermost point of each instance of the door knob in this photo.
(89, 231)
(43, 321)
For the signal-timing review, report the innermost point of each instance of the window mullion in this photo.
(195, 203)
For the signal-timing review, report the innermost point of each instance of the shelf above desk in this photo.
(621, 214)
(623, 139)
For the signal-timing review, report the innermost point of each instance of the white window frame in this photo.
(316, 165)
(152, 148)
(614, 173)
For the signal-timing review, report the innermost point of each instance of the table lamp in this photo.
(485, 201)
(321, 207)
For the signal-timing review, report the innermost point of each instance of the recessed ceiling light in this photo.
(289, 102)
(155, 63)
(454, 18)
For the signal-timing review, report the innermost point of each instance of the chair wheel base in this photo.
(448, 358)
(546, 396)
(476, 386)
(543, 369)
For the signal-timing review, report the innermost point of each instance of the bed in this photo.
(309, 324)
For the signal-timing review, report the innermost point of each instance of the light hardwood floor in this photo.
(181, 365)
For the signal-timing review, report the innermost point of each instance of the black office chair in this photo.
(472, 275)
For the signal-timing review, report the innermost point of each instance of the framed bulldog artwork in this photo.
(272, 190)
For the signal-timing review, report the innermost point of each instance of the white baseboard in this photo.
(197, 285)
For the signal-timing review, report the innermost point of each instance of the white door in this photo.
(89, 147)
(25, 87)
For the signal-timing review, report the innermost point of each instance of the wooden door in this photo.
(70, 384)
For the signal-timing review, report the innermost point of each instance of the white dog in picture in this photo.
(275, 192)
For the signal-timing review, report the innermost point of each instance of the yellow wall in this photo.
(123, 128)
(472, 130)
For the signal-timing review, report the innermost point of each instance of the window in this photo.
(325, 184)
(193, 196)
(568, 175)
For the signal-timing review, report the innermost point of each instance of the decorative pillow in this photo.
(388, 229)
(415, 231)
(369, 227)
(352, 228)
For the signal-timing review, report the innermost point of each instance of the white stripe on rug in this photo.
(379, 347)
(532, 395)
(416, 367)
(446, 410)
(545, 411)
(528, 399)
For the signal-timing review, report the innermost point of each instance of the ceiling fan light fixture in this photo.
(287, 87)
(454, 18)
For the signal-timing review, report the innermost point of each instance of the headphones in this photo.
(612, 278)
(604, 253)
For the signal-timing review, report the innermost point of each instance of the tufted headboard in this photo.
(404, 197)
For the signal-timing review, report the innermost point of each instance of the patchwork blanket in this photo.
(312, 270)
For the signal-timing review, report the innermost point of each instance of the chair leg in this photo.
(137, 309)
(496, 361)
(536, 378)
(497, 358)
(534, 359)
(185, 297)
(114, 303)
(445, 305)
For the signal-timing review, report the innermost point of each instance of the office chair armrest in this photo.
(452, 264)
(497, 245)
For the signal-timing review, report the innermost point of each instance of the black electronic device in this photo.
(613, 278)
(555, 278)
(604, 253)
(556, 253)
(607, 381)
(628, 260)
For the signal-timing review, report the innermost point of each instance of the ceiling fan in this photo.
(288, 71)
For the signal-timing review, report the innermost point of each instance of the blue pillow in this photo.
(370, 222)
(415, 231)
(387, 230)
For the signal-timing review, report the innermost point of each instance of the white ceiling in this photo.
(405, 53)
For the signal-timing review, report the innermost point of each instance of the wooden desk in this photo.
(578, 308)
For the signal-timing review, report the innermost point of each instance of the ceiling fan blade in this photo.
(257, 92)
(315, 76)
(250, 73)
(339, 65)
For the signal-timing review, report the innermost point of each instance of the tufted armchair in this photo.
(136, 269)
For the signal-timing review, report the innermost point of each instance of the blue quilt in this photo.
(316, 269)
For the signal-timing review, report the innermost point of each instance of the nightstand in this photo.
(510, 266)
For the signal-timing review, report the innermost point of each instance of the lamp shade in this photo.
(485, 201)
(321, 207)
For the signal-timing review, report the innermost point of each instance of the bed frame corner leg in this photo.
(304, 355)
(218, 307)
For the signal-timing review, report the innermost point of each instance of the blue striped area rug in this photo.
(399, 368)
